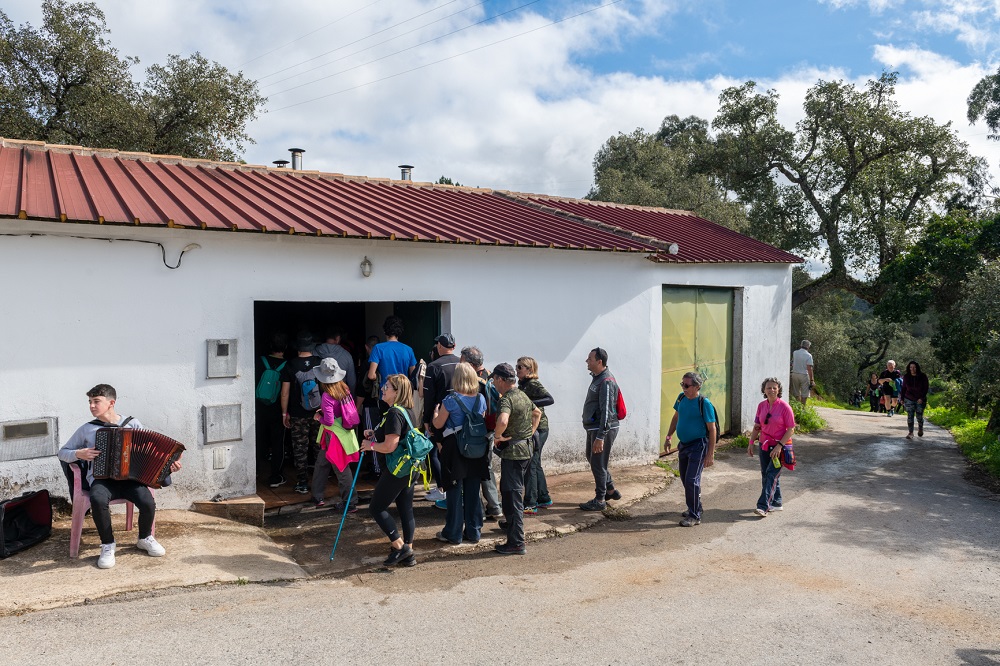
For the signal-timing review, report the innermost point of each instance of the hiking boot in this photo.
(317, 503)
(507, 549)
(920, 430)
(302, 488)
(276, 481)
(410, 561)
(151, 546)
(107, 557)
(760, 512)
(685, 513)
(494, 516)
(593, 505)
(612, 494)
(339, 506)
(545, 503)
(397, 556)
(690, 522)
(530, 510)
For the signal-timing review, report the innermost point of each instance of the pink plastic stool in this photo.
(81, 503)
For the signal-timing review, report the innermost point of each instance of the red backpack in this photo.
(620, 409)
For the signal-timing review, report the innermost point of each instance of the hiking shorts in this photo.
(799, 385)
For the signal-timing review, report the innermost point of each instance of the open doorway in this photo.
(355, 321)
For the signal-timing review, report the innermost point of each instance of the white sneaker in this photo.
(760, 512)
(435, 495)
(107, 557)
(151, 546)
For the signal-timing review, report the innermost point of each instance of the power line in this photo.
(395, 53)
(378, 32)
(323, 27)
(452, 57)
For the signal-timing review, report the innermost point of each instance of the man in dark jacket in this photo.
(600, 420)
(437, 382)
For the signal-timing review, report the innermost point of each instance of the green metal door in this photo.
(697, 335)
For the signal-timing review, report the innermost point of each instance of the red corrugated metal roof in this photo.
(698, 240)
(73, 184)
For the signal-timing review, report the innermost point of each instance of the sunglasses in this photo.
(767, 418)
(687, 386)
(522, 367)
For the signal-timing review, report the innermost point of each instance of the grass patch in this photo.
(970, 434)
(807, 419)
(665, 465)
(834, 404)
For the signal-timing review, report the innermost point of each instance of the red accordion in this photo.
(132, 454)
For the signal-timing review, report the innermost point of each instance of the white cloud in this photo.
(521, 115)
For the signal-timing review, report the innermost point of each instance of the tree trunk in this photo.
(821, 285)
(993, 425)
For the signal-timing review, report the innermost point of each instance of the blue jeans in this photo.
(465, 508)
(691, 459)
(535, 488)
(770, 493)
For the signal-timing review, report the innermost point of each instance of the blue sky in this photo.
(518, 104)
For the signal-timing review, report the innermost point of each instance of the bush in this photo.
(807, 419)
(741, 441)
(970, 434)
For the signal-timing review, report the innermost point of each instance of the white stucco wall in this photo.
(78, 312)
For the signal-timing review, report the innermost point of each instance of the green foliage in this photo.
(971, 435)
(665, 169)
(857, 179)
(447, 181)
(65, 83)
(807, 419)
(849, 342)
(741, 441)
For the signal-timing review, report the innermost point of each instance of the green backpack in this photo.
(269, 386)
(410, 455)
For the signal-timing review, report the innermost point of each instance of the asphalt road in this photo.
(883, 555)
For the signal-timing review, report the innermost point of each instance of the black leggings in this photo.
(387, 489)
(102, 491)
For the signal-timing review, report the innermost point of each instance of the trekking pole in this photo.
(347, 504)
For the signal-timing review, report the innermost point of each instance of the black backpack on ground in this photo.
(26, 520)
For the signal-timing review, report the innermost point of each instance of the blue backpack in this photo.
(309, 387)
(472, 438)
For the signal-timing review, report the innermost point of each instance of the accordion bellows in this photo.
(133, 454)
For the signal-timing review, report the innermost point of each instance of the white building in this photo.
(163, 276)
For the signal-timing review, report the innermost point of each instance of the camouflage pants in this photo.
(304, 431)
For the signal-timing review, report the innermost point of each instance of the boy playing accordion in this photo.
(82, 447)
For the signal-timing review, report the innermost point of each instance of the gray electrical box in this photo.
(36, 438)
(223, 423)
(221, 358)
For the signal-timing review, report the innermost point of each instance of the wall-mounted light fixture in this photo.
(366, 267)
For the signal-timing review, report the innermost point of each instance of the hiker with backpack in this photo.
(463, 449)
(695, 423)
(300, 398)
(267, 410)
(337, 442)
(396, 482)
(536, 491)
(773, 426)
(602, 410)
(474, 357)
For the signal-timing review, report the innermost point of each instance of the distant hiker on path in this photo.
(802, 379)
(915, 388)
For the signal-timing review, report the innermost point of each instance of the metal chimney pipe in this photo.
(296, 157)
(281, 164)
(406, 171)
